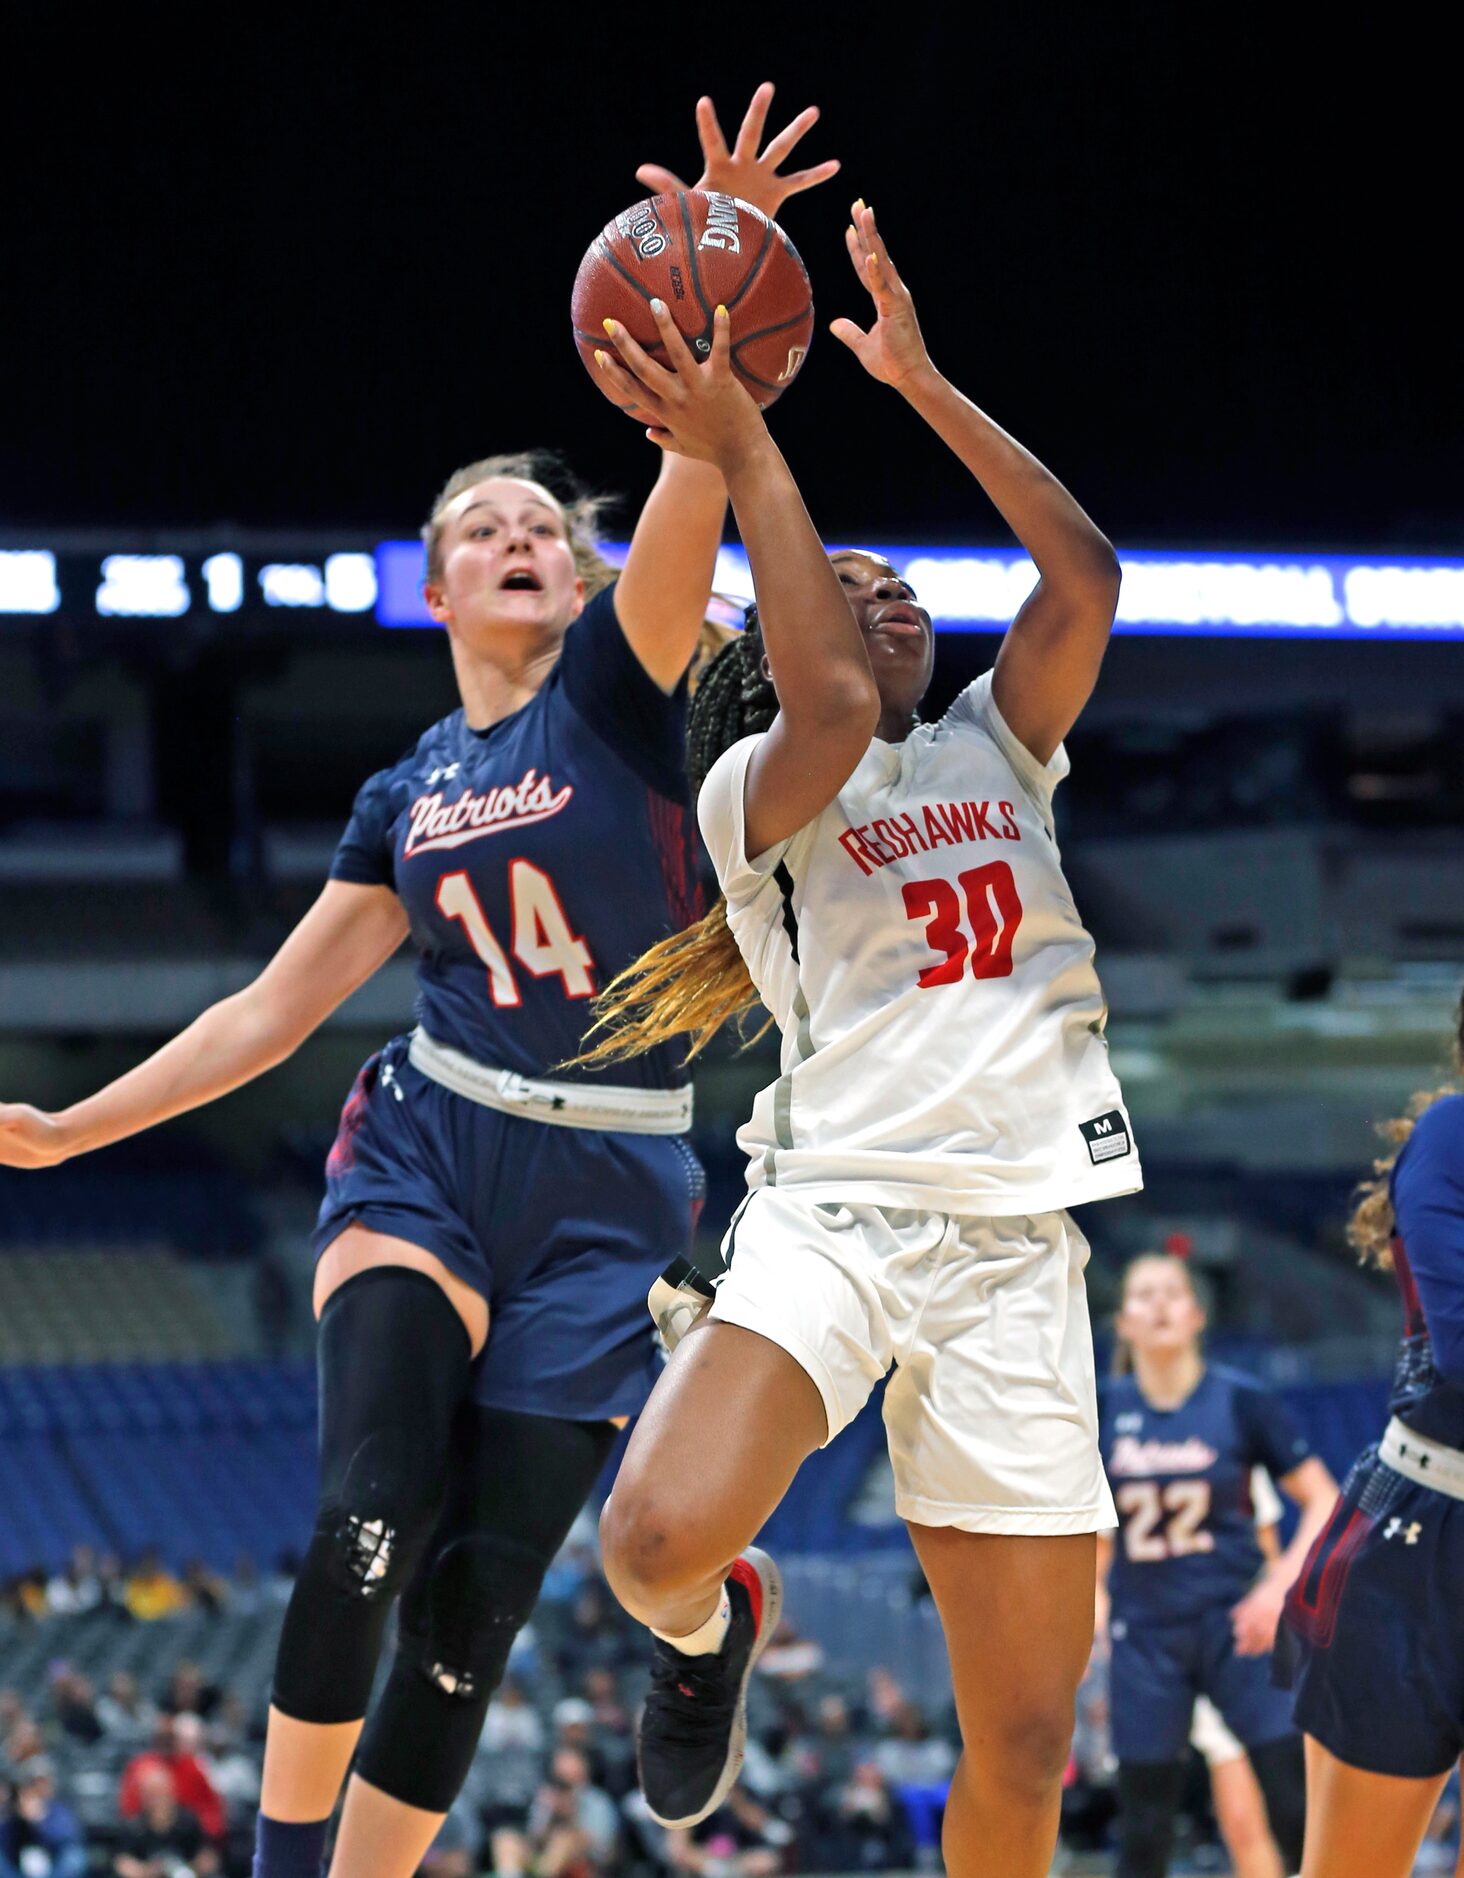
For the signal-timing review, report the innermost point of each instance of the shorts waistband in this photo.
(1428, 1463)
(562, 1104)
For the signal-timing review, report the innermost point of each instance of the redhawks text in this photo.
(876, 844)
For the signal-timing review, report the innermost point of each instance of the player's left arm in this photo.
(1428, 1206)
(662, 596)
(1255, 1618)
(1049, 658)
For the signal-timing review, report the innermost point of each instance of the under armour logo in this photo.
(389, 1081)
(1410, 1532)
(445, 774)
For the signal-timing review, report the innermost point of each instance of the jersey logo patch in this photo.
(436, 825)
(1107, 1136)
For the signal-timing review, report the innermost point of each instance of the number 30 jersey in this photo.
(538, 857)
(917, 943)
(1181, 1480)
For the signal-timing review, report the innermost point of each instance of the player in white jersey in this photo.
(894, 891)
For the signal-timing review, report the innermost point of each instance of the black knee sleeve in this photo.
(1280, 1769)
(454, 1632)
(1149, 1793)
(516, 1490)
(393, 1363)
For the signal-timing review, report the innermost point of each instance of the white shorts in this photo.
(992, 1413)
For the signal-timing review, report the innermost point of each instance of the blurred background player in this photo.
(531, 845)
(1235, 1793)
(904, 1037)
(1188, 1607)
(1375, 1621)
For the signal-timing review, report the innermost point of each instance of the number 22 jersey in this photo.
(1181, 1481)
(918, 945)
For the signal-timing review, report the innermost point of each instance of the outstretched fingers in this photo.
(624, 390)
(709, 131)
(873, 244)
(753, 122)
(661, 182)
(638, 362)
(679, 355)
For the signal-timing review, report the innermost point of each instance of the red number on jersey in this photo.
(993, 913)
(543, 940)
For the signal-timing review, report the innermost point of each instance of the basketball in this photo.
(697, 250)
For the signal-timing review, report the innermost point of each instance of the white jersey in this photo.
(919, 947)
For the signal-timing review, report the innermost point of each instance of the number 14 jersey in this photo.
(918, 945)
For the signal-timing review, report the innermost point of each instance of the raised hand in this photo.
(693, 410)
(740, 171)
(29, 1137)
(892, 350)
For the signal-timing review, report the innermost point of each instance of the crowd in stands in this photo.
(144, 1591)
(135, 1778)
(137, 1781)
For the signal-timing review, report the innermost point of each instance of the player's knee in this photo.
(1031, 1746)
(459, 1623)
(370, 1532)
(647, 1549)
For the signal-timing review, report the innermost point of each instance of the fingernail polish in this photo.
(599, 356)
(658, 306)
(721, 312)
(610, 327)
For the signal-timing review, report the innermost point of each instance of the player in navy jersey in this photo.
(491, 1224)
(1189, 1604)
(1374, 1634)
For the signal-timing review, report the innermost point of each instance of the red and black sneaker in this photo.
(694, 1726)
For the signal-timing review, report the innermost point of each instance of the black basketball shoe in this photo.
(694, 1727)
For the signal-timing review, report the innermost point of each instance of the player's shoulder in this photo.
(1439, 1130)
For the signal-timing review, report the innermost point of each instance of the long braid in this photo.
(693, 982)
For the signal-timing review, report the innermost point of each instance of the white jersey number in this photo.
(993, 914)
(544, 942)
(1143, 1504)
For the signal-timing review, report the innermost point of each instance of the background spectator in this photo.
(40, 1836)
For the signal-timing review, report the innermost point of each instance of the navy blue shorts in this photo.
(561, 1230)
(1156, 1671)
(1373, 1639)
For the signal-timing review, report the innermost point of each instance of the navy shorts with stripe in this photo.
(561, 1230)
(1373, 1639)
(1156, 1670)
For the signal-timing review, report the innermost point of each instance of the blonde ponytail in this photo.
(687, 985)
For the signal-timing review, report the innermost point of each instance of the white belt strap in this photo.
(1429, 1463)
(563, 1104)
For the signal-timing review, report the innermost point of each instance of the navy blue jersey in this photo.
(1427, 1191)
(538, 857)
(1181, 1482)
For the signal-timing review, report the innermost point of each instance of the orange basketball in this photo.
(697, 250)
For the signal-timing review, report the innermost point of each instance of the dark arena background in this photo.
(267, 280)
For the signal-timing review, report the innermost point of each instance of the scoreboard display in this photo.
(359, 585)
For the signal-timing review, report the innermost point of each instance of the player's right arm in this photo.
(828, 703)
(347, 935)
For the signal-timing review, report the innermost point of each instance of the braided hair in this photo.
(693, 982)
(1370, 1228)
